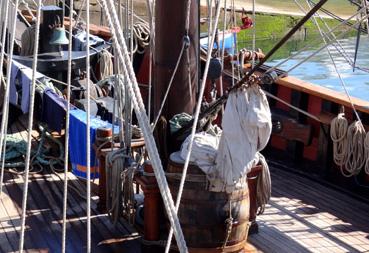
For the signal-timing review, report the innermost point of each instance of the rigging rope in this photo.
(223, 47)
(67, 124)
(143, 120)
(88, 133)
(150, 8)
(30, 125)
(335, 28)
(196, 118)
(253, 33)
(5, 107)
(169, 85)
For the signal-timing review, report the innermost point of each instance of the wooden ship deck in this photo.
(302, 216)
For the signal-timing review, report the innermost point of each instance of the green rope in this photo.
(16, 148)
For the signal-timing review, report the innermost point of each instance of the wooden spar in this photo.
(170, 19)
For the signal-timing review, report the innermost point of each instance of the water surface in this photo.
(320, 70)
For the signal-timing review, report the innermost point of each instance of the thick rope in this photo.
(106, 64)
(339, 127)
(143, 120)
(355, 156)
(4, 120)
(196, 118)
(264, 185)
(141, 36)
(67, 123)
(30, 125)
(88, 123)
(114, 164)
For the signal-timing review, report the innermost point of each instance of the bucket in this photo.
(203, 214)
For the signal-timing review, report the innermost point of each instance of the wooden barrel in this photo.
(203, 214)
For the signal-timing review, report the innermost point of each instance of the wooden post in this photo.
(102, 135)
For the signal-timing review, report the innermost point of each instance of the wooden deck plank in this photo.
(317, 218)
(35, 203)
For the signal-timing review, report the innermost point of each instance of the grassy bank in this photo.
(275, 26)
(339, 7)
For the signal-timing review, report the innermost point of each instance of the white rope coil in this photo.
(339, 127)
(355, 156)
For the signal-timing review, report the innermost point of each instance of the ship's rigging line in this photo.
(223, 47)
(335, 16)
(30, 125)
(67, 121)
(348, 151)
(342, 81)
(196, 115)
(253, 34)
(306, 47)
(150, 11)
(339, 46)
(330, 56)
(144, 122)
(341, 50)
(331, 30)
(221, 100)
(169, 85)
(4, 121)
(318, 50)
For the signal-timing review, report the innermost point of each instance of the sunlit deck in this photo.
(303, 216)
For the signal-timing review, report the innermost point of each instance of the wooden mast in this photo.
(170, 19)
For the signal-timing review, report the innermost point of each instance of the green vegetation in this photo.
(275, 26)
(270, 28)
(339, 7)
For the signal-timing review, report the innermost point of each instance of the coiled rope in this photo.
(141, 36)
(339, 127)
(350, 146)
(355, 156)
(115, 162)
(106, 64)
